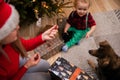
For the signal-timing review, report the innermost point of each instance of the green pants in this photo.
(77, 36)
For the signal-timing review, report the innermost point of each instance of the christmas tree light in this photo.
(31, 10)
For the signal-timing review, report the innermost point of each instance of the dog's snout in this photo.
(93, 52)
(90, 51)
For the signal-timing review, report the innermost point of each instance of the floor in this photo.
(108, 28)
(100, 6)
(96, 7)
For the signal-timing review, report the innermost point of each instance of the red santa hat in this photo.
(9, 19)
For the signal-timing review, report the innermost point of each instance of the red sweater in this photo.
(10, 70)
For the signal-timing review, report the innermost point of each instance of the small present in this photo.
(50, 48)
(61, 69)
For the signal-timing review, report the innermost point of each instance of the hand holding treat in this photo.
(50, 33)
(33, 60)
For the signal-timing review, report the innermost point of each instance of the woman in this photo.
(14, 61)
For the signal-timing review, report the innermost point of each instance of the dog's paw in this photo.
(92, 64)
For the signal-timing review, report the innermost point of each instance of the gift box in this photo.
(61, 69)
(50, 48)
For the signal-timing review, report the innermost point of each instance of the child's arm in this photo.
(67, 26)
(91, 31)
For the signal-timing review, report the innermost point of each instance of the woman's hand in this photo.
(50, 33)
(33, 60)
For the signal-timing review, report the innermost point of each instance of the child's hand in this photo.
(90, 32)
(88, 35)
(50, 33)
(33, 60)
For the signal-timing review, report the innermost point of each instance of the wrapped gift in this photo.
(61, 69)
(50, 48)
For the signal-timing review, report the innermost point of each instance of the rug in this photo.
(117, 12)
(78, 55)
(108, 28)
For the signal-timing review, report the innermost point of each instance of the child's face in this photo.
(82, 8)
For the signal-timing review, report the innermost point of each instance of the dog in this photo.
(108, 62)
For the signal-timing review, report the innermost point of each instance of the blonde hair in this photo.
(82, 1)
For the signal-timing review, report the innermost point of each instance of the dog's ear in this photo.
(103, 43)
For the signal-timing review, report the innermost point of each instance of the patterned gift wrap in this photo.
(61, 69)
(50, 48)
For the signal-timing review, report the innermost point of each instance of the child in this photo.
(80, 22)
(12, 47)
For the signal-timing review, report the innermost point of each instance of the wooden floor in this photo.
(100, 6)
(104, 5)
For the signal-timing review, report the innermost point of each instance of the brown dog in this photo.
(108, 67)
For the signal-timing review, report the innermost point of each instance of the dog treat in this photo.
(36, 57)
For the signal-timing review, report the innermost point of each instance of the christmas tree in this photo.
(31, 10)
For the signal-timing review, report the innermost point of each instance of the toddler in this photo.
(80, 22)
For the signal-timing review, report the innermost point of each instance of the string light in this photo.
(33, 0)
(36, 13)
(43, 3)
